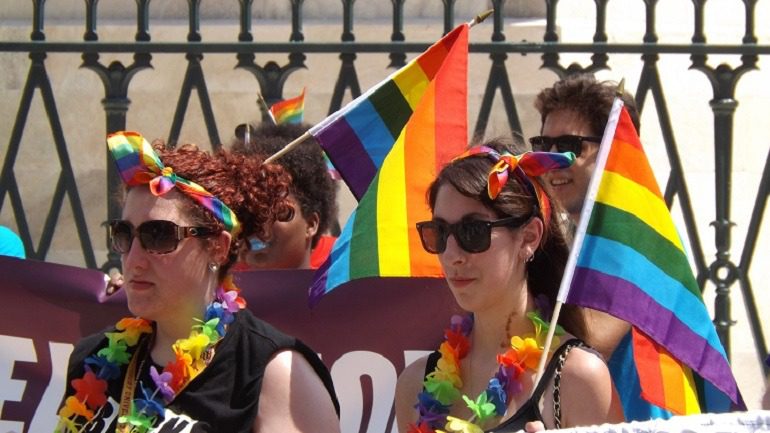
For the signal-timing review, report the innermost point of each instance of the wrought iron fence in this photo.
(116, 76)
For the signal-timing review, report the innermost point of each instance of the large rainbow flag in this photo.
(629, 261)
(388, 145)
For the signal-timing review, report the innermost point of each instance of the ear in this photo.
(313, 221)
(531, 234)
(220, 247)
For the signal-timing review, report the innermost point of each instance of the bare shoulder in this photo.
(588, 395)
(290, 383)
(409, 384)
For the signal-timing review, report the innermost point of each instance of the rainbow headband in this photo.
(525, 167)
(138, 164)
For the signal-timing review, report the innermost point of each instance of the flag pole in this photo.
(477, 19)
(264, 108)
(580, 232)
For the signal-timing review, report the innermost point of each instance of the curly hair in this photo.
(312, 186)
(257, 199)
(469, 176)
(585, 95)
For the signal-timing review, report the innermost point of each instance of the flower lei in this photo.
(91, 390)
(441, 387)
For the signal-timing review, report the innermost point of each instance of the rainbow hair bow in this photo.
(138, 164)
(525, 167)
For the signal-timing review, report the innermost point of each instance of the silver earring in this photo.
(213, 266)
(530, 258)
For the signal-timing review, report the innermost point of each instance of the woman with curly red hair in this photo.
(193, 359)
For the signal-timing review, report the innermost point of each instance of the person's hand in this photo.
(115, 281)
(534, 426)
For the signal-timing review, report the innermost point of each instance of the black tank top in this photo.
(224, 397)
(530, 410)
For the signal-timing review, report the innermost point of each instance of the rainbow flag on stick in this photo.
(629, 261)
(388, 145)
(289, 110)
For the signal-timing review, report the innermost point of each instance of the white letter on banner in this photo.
(14, 349)
(346, 374)
(45, 418)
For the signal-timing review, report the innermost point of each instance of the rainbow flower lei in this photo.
(191, 358)
(441, 387)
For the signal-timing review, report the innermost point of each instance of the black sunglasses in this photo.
(563, 143)
(155, 236)
(473, 236)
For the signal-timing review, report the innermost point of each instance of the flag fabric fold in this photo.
(629, 261)
(388, 145)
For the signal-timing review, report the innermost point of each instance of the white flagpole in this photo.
(580, 232)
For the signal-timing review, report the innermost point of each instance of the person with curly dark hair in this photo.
(292, 242)
(193, 358)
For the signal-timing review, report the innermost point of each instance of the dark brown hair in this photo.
(256, 192)
(311, 185)
(469, 177)
(590, 98)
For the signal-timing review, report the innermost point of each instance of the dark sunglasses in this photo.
(563, 143)
(155, 236)
(473, 236)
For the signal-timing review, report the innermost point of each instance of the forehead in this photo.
(141, 205)
(452, 206)
(566, 122)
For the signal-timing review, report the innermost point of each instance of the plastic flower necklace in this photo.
(192, 356)
(441, 387)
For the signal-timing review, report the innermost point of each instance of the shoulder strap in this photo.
(553, 364)
(431, 363)
(559, 364)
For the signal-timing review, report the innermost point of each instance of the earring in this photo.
(530, 258)
(213, 266)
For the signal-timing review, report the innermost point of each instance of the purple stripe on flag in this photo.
(625, 300)
(347, 153)
(318, 289)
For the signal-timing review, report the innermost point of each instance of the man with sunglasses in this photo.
(574, 113)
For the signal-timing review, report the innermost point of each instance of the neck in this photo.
(167, 332)
(494, 327)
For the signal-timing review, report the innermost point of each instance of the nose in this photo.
(135, 257)
(453, 253)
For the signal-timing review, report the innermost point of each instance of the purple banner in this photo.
(365, 332)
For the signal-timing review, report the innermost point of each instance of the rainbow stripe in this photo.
(388, 146)
(631, 264)
(289, 110)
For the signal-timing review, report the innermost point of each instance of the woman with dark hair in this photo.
(296, 241)
(193, 359)
(503, 254)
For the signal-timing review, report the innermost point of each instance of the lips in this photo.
(461, 281)
(140, 284)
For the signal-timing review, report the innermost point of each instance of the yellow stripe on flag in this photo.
(619, 192)
(412, 82)
(392, 238)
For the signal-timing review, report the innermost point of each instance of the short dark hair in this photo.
(312, 186)
(588, 97)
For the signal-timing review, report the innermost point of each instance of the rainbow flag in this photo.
(289, 110)
(630, 262)
(388, 145)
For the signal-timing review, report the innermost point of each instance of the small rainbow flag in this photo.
(289, 110)
(629, 262)
(388, 145)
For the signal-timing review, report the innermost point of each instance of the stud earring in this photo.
(213, 266)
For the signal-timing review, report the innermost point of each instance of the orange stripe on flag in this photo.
(630, 162)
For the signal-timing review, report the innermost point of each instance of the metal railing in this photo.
(723, 272)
